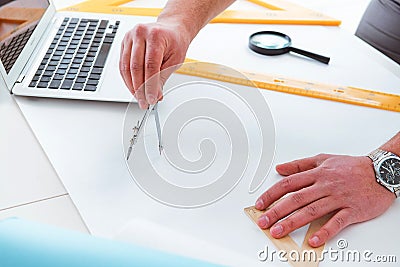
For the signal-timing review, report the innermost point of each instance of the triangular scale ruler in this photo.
(271, 12)
(287, 244)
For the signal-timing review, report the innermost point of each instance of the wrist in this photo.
(393, 145)
(182, 25)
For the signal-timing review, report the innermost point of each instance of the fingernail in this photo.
(152, 99)
(314, 241)
(142, 104)
(263, 221)
(259, 204)
(277, 230)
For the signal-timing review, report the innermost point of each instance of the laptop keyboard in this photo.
(10, 50)
(75, 59)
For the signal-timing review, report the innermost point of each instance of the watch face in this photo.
(389, 171)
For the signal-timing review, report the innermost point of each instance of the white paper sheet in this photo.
(84, 142)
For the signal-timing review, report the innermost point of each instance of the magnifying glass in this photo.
(275, 43)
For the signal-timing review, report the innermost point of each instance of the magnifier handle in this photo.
(311, 55)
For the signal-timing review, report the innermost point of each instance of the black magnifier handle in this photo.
(310, 55)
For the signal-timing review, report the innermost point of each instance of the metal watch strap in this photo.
(379, 153)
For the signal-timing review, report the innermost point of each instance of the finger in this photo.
(291, 204)
(337, 223)
(153, 61)
(137, 72)
(124, 63)
(301, 165)
(286, 185)
(160, 96)
(307, 214)
(140, 96)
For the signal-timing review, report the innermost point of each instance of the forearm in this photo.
(192, 15)
(393, 145)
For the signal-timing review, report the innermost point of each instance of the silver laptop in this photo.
(45, 53)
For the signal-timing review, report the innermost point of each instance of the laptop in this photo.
(45, 53)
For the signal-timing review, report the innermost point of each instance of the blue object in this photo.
(27, 244)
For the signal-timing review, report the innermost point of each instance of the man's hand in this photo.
(146, 50)
(320, 185)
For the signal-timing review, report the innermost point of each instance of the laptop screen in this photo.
(18, 20)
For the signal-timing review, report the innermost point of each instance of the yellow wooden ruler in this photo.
(271, 12)
(344, 94)
(287, 244)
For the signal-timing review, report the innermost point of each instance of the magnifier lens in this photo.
(270, 41)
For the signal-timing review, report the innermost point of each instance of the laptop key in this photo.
(89, 59)
(83, 74)
(92, 82)
(77, 61)
(65, 61)
(75, 66)
(103, 24)
(56, 58)
(84, 46)
(78, 86)
(63, 66)
(97, 71)
(94, 77)
(58, 53)
(45, 79)
(93, 49)
(67, 84)
(51, 68)
(61, 71)
(85, 69)
(103, 54)
(55, 84)
(48, 73)
(42, 85)
(32, 84)
(72, 71)
(108, 40)
(90, 88)
(79, 56)
(70, 51)
(80, 80)
(58, 77)
(70, 76)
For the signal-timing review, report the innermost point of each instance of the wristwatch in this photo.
(387, 169)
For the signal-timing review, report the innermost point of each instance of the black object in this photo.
(273, 43)
(4, 2)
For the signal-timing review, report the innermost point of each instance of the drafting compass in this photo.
(139, 128)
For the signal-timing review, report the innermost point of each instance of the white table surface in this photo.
(30, 187)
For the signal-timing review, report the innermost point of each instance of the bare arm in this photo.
(150, 48)
(393, 145)
(192, 14)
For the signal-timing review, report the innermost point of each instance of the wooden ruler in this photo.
(287, 244)
(344, 94)
(271, 12)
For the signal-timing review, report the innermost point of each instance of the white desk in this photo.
(29, 185)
